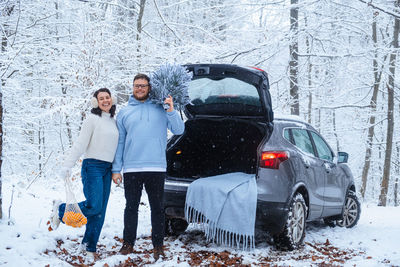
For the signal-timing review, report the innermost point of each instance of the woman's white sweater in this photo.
(98, 139)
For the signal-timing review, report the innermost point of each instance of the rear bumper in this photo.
(175, 197)
(270, 216)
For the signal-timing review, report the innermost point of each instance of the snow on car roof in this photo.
(294, 119)
(289, 117)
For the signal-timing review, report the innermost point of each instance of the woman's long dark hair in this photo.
(97, 110)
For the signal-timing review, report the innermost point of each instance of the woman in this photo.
(98, 142)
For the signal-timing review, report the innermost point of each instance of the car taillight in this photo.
(272, 159)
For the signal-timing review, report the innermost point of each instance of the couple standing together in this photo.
(134, 143)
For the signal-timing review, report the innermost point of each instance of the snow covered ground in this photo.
(25, 240)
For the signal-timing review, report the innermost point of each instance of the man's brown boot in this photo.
(158, 251)
(126, 249)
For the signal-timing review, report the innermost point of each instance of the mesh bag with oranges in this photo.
(73, 215)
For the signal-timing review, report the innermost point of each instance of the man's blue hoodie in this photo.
(142, 139)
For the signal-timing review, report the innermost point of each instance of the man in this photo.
(142, 127)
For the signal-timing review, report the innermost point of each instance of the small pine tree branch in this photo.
(170, 79)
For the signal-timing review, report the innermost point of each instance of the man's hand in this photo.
(117, 178)
(170, 102)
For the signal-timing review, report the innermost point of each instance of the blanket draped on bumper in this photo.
(226, 206)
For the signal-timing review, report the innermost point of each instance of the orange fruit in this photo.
(74, 219)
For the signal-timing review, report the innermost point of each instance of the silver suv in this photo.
(230, 128)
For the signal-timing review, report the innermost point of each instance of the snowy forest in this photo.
(332, 62)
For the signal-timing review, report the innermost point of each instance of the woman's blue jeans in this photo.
(96, 179)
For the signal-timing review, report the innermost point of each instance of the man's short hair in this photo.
(141, 76)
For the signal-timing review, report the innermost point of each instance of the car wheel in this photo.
(351, 211)
(175, 226)
(294, 231)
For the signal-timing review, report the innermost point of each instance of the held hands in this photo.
(117, 178)
(169, 101)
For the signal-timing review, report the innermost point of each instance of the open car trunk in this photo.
(213, 146)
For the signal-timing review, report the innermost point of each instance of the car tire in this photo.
(294, 231)
(175, 226)
(351, 211)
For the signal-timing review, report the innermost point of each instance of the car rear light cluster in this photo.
(272, 159)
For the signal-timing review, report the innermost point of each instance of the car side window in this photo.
(286, 134)
(302, 140)
(323, 150)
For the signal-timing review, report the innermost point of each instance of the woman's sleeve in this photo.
(81, 144)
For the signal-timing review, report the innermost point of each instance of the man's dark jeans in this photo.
(96, 179)
(154, 185)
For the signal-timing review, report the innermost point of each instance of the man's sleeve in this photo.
(175, 122)
(118, 159)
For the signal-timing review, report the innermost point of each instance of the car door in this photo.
(334, 182)
(314, 176)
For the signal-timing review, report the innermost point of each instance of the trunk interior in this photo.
(215, 146)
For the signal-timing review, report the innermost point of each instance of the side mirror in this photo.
(343, 157)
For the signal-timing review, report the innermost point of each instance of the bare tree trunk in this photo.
(390, 121)
(334, 130)
(139, 28)
(40, 148)
(67, 123)
(310, 99)
(3, 48)
(389, 145)
(4, 42)
(397, 173)
(1, 145)
(41, 139)
(63, 86)
(139, 20)
(396, 185)
(371, 129)
(309, 78)
(294, 62)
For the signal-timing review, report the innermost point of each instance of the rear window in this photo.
(227, 90)
(224, 96)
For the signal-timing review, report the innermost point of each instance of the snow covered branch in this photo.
(395, 13)
(165, 23)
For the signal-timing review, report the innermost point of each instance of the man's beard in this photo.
(141, 98)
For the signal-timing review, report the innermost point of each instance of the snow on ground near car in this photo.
(26, 241)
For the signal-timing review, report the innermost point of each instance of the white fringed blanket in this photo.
(226, 206)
